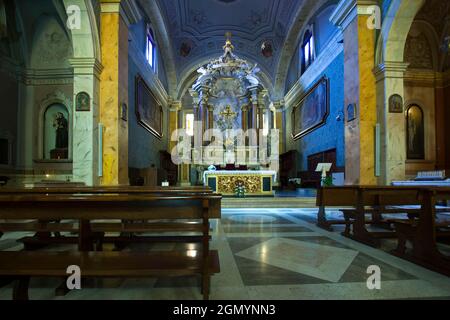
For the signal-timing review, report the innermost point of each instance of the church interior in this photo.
(224, 149)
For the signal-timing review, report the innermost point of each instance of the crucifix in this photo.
(228, 113)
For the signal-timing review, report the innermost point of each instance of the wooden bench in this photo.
(374, 200)
(424, 231)
(110, 207)
(43, 236)
(420, 227)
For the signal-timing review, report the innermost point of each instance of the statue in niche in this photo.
(415, 133)
(62, 137)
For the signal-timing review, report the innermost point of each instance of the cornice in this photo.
(127, 9)
(347, 10)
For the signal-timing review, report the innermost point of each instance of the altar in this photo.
(256, 183)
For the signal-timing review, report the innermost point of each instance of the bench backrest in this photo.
(103, 190)
(348, 196)
(108, 206)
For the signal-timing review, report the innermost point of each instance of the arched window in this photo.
(150, 51)
(415, 133)
(307, 52)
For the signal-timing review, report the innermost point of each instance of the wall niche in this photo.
(56, 132)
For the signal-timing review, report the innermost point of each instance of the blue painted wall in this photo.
(323, 31)
(143, 146)
(331, 135)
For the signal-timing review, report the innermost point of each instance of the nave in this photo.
(267, 254)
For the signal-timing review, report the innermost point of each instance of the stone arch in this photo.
(395, 29)
(425, 35)
(304, 14)
(86, 40)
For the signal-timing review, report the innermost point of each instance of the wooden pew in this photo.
(43, 236)
(420, 228)
(361, 200)
(424, 231)
(85, 208)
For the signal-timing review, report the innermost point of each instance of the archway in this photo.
(86, 63)
(389, 74)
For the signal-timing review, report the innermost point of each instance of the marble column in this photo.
(360, 89)
(114, 91)
(85, 127)
(174, 110)
(210, 117)
(389, 77)
(244, 111)
(278, 124)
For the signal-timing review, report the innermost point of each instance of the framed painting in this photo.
(83, 102)
(312, 110)
(149, 110)
(395, 104)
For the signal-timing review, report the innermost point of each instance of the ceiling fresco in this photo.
(197, 29)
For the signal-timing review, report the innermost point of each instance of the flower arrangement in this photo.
(239, 189)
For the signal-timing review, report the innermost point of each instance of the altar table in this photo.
(255, 182)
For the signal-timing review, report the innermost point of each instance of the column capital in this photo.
(278, 105)
(86, 66)
(175, 106)
(126, 8)
(390, 69)
(347, 10)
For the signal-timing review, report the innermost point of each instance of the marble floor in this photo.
(269, 254)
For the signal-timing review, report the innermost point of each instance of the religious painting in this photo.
(149, 110)
(395, 104)
(415, 133)
(312, 110)
(83, 102)
(351, 112)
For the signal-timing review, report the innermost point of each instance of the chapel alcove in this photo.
(56, 132)
(415, 133)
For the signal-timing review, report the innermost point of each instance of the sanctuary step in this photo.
(269, 202)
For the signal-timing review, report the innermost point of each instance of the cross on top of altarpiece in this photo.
(228, 113)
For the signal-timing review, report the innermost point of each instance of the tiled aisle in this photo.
(273, 254)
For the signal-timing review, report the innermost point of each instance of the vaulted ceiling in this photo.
(197, 29)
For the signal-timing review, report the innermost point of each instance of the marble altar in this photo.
(257, 182)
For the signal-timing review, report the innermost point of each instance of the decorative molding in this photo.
(175, 106)
(325, 58)
(427, 78)
(347, 10)
(86, 66)
(390, 69)
(46, 76)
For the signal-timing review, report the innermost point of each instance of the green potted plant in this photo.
(239, 189)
